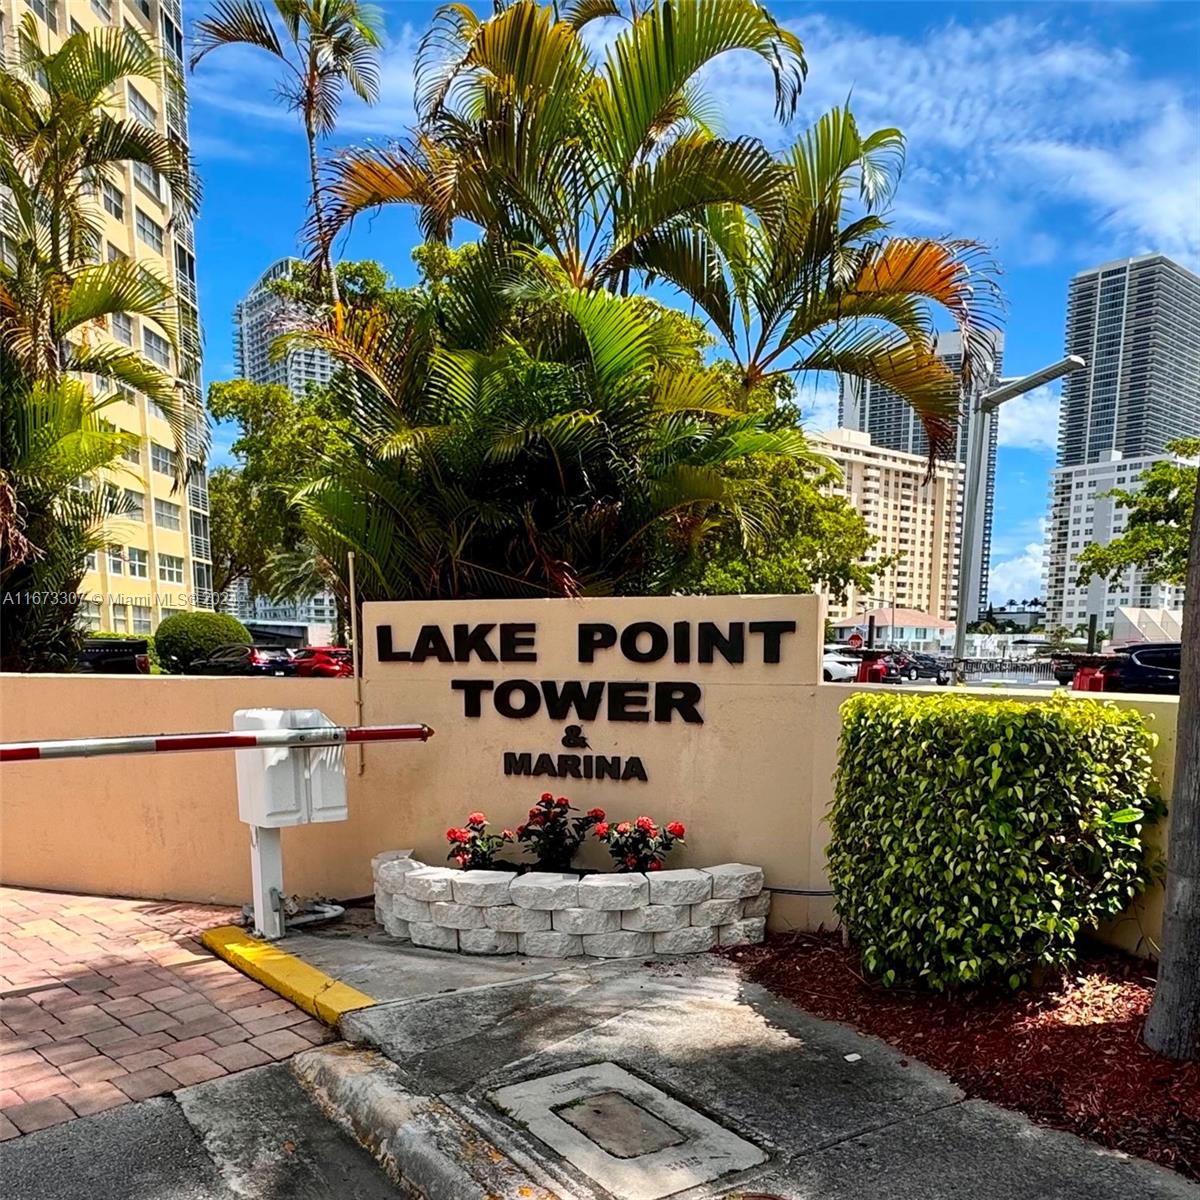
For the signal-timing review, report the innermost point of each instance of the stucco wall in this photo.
(166, 826)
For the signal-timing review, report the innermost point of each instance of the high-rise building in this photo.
(159, 559)
(257, 321)
(891, 423)
(915, 520)
(1136, 323)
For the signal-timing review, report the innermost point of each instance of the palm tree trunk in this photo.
(319, 207)
(1173, 1027)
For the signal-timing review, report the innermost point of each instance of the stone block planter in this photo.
(547, 915)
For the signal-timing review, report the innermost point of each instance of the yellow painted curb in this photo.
(312, 990)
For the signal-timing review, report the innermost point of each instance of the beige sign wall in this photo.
(692, 703)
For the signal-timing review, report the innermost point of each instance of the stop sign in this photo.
(855, 641)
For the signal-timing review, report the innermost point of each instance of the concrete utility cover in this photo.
(631, 1138)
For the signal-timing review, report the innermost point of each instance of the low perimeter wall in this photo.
(166, 826)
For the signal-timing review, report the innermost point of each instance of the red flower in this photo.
(547, 797)
(476, 818)
(624, 827)
(675, 829)
(536, 817)
(602, 829)
(645, 825)
(596, 814)
(563, 802)
(507, 834)
(654, 865)
(631, 860)
(520, 831)
(458, 835)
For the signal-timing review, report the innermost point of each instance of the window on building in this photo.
(47, 10)
(89, 615)
(115, 255)
(120, 618)
(172, 37)
(75, 27)
(157, 348)
(170, 568)
(89, 563)
(139, 562)
(162, 459)
(148, 178)
(135, 503)
(150, 231)
(133, 454)
(103, 9)
(114, 200)
(141, 109)
(122, 328)
(116, 560)
(167, 515)
(141, 618)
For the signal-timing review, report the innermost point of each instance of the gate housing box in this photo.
(280, 786)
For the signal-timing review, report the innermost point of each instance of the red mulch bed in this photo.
(1068, 1054)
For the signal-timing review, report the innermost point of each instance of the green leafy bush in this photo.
(973, 839)
(184, 637)
(151, 645)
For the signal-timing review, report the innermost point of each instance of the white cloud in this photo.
(1030, 422)
(818, 401)
(1019, 577)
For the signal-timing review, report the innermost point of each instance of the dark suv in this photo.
(245, 660)
(1148, 667)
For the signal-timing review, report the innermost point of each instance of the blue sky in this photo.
(1061, 135)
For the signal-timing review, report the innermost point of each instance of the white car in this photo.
(838, 665)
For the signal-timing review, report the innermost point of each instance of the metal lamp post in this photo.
(983, 405)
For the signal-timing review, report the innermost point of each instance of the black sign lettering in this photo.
(431, 643)
(681, 698)
(472, 690)
(772, 632)
(572, 697)
(383, 641)
(531, 698)
(626, 699)
(659, 642)
(731, 646)
(473, 639)
(517, 640)
(593, 638)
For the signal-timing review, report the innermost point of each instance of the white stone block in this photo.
(625, 944)
(657, 918)
(716, 912)
(549, 945)
(694, 939)
(396, 927)
(390, 875)
(379, 907)
(733, 881)
(545, 890)
(512, 918)
(586, 920)
(434, 937)
(679, 887)
(757, 906)
(614, 891)
(481, 887)
(487, 941)
(385, 856)
(408, 909)
(457, 916)
(743, 933)
(430, 883)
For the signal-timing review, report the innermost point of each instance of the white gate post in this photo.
(266, 874)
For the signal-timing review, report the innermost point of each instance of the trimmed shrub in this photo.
(184, 637)
(972, 839)
(151, 645)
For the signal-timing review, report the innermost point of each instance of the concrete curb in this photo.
(318, 994)
(422, 1144)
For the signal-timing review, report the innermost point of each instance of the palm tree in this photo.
(328, 44)
(817, 286)
(534, 440)
(607, 169)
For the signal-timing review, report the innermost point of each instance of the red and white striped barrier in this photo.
(165, 743)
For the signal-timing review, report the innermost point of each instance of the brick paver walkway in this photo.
(106, 1001)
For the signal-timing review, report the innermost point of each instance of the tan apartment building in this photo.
(916, 520)
(159, 559)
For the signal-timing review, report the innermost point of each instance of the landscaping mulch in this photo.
(1068, 1054)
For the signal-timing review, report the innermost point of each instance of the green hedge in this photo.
(972, 839)
(184, 637)
(151, 645)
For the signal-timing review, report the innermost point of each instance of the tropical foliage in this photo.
(60, 143)
(325, 47)
(184, 637)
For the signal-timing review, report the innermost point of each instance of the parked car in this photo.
(1147, 667)
(329, 662)
(245, 660)
(838, 665)
(925, 666)
(114, 656)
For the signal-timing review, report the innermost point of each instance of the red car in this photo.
(329, 662)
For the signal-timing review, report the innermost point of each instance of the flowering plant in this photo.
(473, 848)
(551, 835)
(640, 845)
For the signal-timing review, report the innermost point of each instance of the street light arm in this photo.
(992, 400)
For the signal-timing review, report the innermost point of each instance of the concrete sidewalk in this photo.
(642, 1080)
